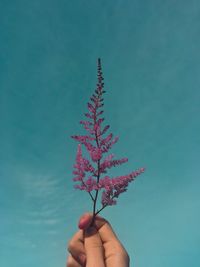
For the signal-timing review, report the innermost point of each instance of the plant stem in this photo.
(88, 192)
(103, 207)
(98, 162)
(96, 194)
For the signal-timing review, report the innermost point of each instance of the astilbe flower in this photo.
(90, 173)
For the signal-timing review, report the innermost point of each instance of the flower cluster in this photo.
(91, 173)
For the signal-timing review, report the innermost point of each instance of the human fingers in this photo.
(93, 248)
(99, 222)
(92, 242)
(76, 248)
(71, 262)
(115, 254)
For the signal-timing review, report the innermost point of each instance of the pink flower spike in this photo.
(89, 172)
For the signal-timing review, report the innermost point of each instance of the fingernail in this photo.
(84, 221)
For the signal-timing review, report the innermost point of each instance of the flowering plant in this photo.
(91, 173)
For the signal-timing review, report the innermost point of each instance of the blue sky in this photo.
(150, 56)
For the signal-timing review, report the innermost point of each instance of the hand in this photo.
(96, 246)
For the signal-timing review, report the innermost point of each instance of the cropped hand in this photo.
(96, 246)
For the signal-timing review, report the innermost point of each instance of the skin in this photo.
(96, 246)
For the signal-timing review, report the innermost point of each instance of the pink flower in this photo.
(88, 172)
(96, 154)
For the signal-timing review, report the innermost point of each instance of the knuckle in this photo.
(126, 256)
(71, 245)
(120, 250)
(69, 262)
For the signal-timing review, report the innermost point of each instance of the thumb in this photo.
(93, 248)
